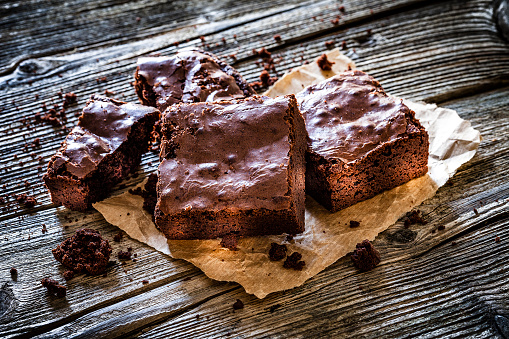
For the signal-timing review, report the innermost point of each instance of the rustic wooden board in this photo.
(432, 51)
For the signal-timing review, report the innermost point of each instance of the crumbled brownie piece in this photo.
(414, 217)
(238, 305)
(343, 44)
(277, 37)
(324, 63)
(497, 239)
(123, 255)
(68, 275)
(335, 21)
(69, 98)
(329, 43)
(117, 237)
(475, 212)
(86, 251)
(230, 241)
(263, 53)
(441, 228)
(53, 287)
(27, 200)
(341, 9)
(44, 229)
(277, 252)
(274, 307)
(365, 256)
(293, 261)
(14, 273)
(144, 282)
(354, 223)
(36, 142)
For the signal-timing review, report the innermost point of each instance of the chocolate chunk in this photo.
(293, 261)
(84, 252)
(277, 252)
(365, 256)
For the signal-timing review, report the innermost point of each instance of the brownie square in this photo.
(191, 75)
(361, 140)
(232, 167)
(99, 152)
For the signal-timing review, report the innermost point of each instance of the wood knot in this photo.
(501, 17)
(7, 302)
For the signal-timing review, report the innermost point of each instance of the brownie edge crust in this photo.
(232, 167)
(99, 152)
(362, 141)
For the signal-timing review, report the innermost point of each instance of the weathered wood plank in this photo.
(448, 73)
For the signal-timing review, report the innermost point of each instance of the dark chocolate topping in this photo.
(191, 76)
(226, 151)
(349, 115)
(103, 126)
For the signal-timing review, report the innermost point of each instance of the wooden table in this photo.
(431, 283)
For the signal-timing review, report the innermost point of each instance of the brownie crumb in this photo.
(68, 275)
(230, 242)
(441, 228)
(277, 37)
(365, 256)
(274, 307)
(335, 21)
(329, 44)
(238, 305)
(69, 98)
(86, 251)
(53, 287)
(354, 223)
(293, 261)
(263, 53)
(117, 237)
(497, 239)
(44, 229)
(324, 63)
(26, 200)
(343, 44)
(414, 217)
(277, 252)
(475, 211)
(144, 282)
(123, 255)
(14, 273)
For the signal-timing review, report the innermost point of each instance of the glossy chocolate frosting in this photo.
(349, 115)
(104, 124)
(224, 152)
(190, 76)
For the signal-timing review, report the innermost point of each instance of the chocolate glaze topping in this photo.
(103, 126)
(203, 169)
(189, 76)
(349, 115)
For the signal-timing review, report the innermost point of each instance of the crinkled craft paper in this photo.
(328, 236)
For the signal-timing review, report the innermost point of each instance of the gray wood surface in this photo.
(450, 283)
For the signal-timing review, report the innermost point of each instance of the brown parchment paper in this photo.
(328, 236)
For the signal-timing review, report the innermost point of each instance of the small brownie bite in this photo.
(99, 152)
(232, 167)
(191, 75)
(361, 140)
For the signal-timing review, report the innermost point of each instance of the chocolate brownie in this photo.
(362, 141)
(99, 152)
(191, 75)
(84, 252)
(54, 287)
(365, 256)
(232, 167)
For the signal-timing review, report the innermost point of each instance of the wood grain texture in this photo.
(420, 50)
